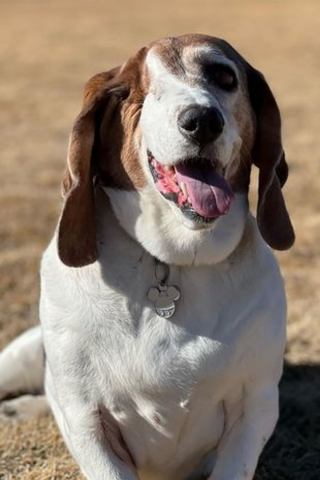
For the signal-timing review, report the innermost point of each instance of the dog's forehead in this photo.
(178, 54)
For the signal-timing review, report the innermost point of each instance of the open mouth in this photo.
(197, 186)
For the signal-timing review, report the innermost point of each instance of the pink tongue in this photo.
(209, 192)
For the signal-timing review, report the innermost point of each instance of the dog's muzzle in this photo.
(197, 186)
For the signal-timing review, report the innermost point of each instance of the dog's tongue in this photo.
(209, 192)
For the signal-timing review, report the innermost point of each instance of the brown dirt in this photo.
(48, 49)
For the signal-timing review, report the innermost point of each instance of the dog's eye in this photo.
(223, 76)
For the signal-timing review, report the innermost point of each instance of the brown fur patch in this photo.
(119, 136)
(103, 141)
(170, 51)
(239, 176)
(76, 233)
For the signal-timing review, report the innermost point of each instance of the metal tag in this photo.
(164, 298)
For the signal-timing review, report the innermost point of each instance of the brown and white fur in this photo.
(135, 395)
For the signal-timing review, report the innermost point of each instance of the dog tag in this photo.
(164, 298)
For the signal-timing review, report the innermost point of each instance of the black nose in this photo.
(201, 124)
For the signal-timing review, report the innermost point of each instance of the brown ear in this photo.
(272, 216)
(76, 230)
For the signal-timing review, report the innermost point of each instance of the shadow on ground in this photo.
(293, 452)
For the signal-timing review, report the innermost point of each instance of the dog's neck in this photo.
(148, 219)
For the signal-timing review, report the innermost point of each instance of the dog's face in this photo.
(172, 136)
(194, 120)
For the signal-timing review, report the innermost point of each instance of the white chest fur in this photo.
(164, 380)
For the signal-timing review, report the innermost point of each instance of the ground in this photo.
(48, 49)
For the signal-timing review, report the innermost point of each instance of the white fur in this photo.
(204, 381)
(193, 395)
(173, 238)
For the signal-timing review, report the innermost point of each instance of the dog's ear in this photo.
(76, 229)
(268, 155)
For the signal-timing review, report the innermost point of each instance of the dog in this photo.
(163, 310)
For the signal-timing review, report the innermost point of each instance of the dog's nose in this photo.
(201, 124)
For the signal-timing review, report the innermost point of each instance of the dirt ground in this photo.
(48, 49)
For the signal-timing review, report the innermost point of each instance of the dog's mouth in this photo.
(197, 186)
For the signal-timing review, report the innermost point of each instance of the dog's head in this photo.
(172, 135)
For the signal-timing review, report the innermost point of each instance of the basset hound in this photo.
(163, 310)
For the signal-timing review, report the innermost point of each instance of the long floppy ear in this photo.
(76, 230)
(268, 155)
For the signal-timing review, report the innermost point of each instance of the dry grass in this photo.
(47, 51)
(35, 451)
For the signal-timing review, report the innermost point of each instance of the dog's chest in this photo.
(162, 383)
(161, 354)
(164, 380)
(159, 357)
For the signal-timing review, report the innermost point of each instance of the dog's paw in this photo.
(24, 408)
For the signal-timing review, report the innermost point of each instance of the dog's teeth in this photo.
(183, 187)
(168, 168)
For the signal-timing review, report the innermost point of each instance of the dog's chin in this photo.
(190, 219)
(194, 188)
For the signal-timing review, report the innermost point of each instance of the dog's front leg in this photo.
(245, 436)
(91, 434)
